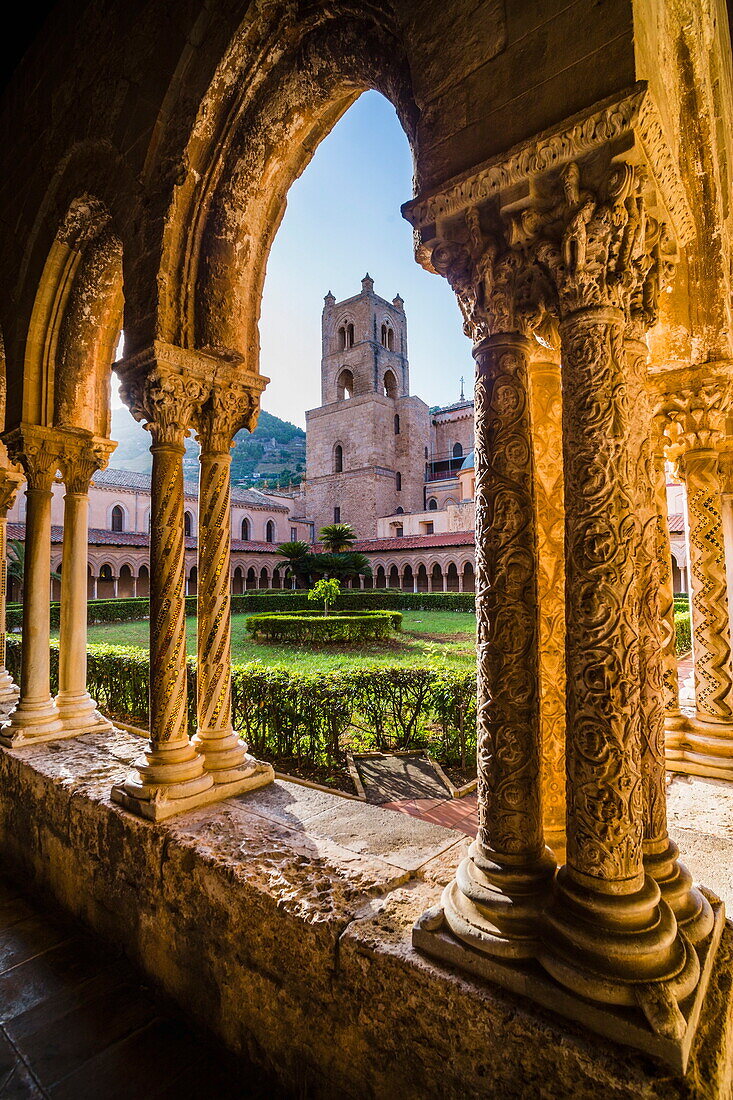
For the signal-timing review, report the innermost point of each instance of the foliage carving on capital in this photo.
(10, 482)
(80, 460)
(227, 409)
(693, 418)
(36, 451)
(164, 401)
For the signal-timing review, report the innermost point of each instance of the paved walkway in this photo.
(77, 1023)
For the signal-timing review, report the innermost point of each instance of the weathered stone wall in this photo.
(281, 922)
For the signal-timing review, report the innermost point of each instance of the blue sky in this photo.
(343, 219)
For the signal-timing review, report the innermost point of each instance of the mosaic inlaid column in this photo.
(691, 909)
(225, 754)
(170, 776)
(35, 717)
(546, 392)
(10, 482)
(77, 710)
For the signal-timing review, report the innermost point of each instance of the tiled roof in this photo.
(140, 483)
(415, 542)
(676, 523)
(99, 537)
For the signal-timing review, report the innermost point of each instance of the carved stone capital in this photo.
(166, 387)
(690, 411)
(10, 482)
(37, 450)
(225, 411)
(82, 455)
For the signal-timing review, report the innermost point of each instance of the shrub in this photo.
(683, 632)
(315, 628)
(287, 715)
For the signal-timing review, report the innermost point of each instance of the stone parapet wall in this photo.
(281, 922)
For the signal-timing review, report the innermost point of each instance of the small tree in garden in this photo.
(325, 592)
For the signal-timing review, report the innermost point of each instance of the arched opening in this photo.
(264, 578)
(238, 581)
(469, 580)
(187, 524)
(451, 580)
(457, 450)
(126, 582)
(389, 385)
(338, 459)
(117, 518)
(246, 529)
(422, 578)
(142, 586)
(436, 579)
(396, 424)
(106, 584)
(399, 510)
(432, 505)
(276, 579)
(394, 577)
(380, 580)
(398, 481)
(193, 582)
(387, 337)
(350, 335)
(270, 531)
(251, 579)
(345, 385)
(408, 581)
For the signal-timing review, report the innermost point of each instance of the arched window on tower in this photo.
(432, 505)
(390, 384)
(341, 339)
(398, 481)
(118, 518)
(396, 424)
(457, 450)
(345, 385)
(245, 530)
(187, 524)
(270, 531)
(338, 459)
(349, 336)
(387, 337)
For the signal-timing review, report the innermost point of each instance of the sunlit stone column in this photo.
(170, 777)
(226, 759)
(691, 909)
(35, 717)
(495, 902)
(10, 481)
(695, 407)
(81, 457)
(546, 392)
(609, 934)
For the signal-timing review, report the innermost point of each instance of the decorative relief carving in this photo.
(632, 113)
(506, 606)
(36, 450)
(605, 798)
(81, 457)
(165, 402)
(223, 413)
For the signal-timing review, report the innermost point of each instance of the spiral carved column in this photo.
(546, 392)
(170, 777)
(35, 717)
(10, 482)
(224, 753)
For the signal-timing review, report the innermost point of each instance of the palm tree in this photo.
(337, 537)
(298, 555)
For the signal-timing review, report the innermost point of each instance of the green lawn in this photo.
(427, 637)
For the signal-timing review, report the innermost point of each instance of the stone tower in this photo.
(367, 443)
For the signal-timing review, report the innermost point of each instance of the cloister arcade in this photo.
(585, 231)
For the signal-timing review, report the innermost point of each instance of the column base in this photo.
(9, 690)
(707, 749)
(628, 1025)
(225, 756)
(32, 723)
(79, 714)
(166, 803)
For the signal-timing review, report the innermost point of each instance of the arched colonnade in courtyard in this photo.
(561, 252)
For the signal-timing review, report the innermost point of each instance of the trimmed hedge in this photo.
(683, 632)
(134, 608)
(315, 627)
(287, 715)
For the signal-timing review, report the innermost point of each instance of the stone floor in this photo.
(78, 1023)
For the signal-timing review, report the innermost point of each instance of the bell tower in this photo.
(365, 445)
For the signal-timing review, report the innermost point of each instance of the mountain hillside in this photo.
(273, 456)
